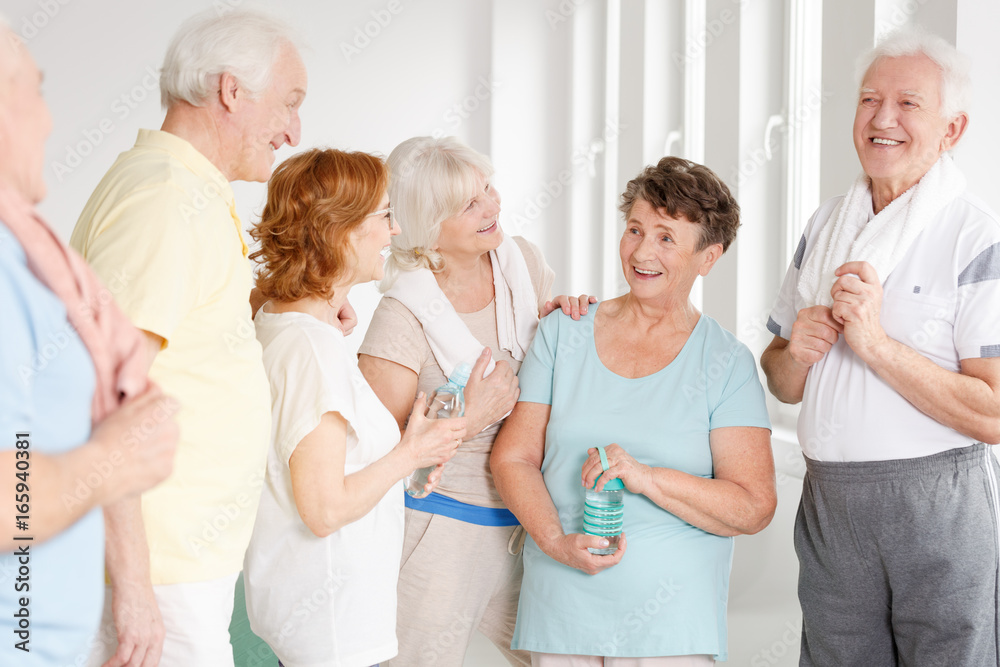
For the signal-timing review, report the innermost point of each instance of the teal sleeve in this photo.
(740, 399)
(535, 376)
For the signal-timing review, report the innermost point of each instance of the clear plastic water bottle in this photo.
(448, 401)
(603, 513)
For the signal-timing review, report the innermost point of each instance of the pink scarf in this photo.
(115, 346)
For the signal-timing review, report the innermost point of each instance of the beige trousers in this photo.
(455, 578)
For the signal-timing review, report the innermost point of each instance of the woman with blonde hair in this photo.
(456, 290)
(324, 556)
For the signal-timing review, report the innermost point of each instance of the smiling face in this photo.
(898, 130)
(25, 122)
(475, 229)
(370, 242)
(271, 119)
(660, 255)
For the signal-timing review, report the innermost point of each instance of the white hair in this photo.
(429, 181)
(244, 43)
(956, 86)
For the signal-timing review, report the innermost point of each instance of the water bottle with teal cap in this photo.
(448, 401)
(604, 511)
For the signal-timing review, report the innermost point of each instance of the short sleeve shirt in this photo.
(46, 390)
(396, 334)
(942, 300)
(668, 595)
(162, 232)
(353, 620)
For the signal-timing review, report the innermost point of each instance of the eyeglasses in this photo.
(388, 212)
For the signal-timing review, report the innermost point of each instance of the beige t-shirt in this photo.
(396, 334)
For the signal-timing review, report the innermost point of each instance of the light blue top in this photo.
(668, 595)
(46, 388)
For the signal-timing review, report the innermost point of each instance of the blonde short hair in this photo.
(430, 181)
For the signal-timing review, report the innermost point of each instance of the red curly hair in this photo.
(314, 201)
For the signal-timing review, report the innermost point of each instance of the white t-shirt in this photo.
(942, 300)
(322, 601)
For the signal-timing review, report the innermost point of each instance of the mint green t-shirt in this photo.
(668, 595)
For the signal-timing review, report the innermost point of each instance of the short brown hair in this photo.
(691, 190)
(314, 201)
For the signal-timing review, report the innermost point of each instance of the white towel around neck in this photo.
(449, 338)
(882, 241)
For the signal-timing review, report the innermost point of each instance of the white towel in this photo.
(848, 235)
(449, 339)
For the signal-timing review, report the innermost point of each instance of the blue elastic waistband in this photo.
(435, 503)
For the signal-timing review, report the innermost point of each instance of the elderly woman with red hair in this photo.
(323, 560)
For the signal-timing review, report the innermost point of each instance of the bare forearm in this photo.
(361, 491)
(786, 378)
(47, 488)
(717, 506)
(523, 490)
(964, 403)
(126, 549)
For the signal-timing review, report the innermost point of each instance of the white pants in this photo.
(556, 660)
(196, 618)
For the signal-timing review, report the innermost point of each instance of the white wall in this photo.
(428, 70)
(528, 81)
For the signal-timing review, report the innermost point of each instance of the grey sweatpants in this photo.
(898, 561)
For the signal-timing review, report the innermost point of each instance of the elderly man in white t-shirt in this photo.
(887, 329)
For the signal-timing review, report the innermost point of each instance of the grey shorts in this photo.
(898, 561)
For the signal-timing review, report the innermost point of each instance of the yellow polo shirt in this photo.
(161, 230)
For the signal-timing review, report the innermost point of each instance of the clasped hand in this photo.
(857, 307)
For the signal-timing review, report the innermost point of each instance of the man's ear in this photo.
(956, 128)
(230, 92)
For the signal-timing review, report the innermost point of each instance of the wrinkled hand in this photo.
(857, 306)
(814, 332)
(139, 440)
(574, 306)
(431, 441)
(572, 550)
(489, 399)
(139, 626)
(347, 318)
(637, 477)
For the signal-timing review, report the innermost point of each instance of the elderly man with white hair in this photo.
(887, 329)
(164, 222)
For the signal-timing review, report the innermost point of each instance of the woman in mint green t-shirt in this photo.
(675, 401)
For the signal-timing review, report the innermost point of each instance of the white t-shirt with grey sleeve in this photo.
(942, 300)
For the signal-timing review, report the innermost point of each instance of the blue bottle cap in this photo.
(460, 375)
(614, 485)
